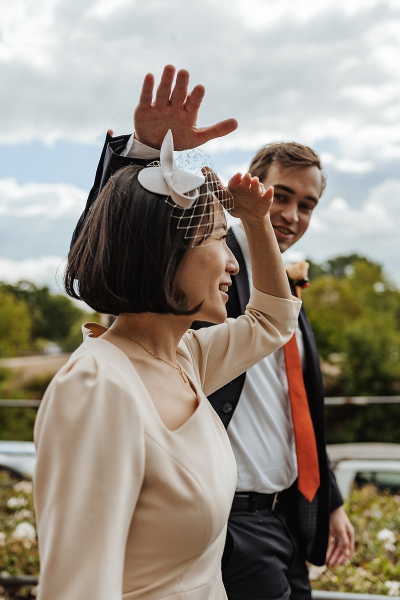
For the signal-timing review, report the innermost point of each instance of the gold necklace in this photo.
(177, 366)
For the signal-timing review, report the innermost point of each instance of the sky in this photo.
(325, 74)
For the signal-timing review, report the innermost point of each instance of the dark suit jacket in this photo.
(110, 162)
(313, 517)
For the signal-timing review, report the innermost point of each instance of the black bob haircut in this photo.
(127, 256)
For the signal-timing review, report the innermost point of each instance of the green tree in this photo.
(342, 266)
(355, 314)
(52, 315)
(15, 324)
(331, 306)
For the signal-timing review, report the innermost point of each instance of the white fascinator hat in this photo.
(195, 191)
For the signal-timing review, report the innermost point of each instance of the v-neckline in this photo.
(193, 385)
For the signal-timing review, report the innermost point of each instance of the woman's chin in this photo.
(216, 317)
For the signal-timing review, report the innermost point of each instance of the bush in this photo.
(374, 567)
(16, 424)
(365, 423)
(372, 570)
(18, 544)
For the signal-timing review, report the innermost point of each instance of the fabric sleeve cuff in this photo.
(261, 301)
(135, 149)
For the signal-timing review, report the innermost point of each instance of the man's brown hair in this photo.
(286, 154)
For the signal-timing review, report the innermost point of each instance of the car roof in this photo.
(363, 451)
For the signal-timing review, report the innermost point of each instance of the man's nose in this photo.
(290, 213)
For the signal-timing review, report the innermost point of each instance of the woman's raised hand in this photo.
(175, 108)
(252, 202)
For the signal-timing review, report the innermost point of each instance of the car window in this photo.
(384, 480)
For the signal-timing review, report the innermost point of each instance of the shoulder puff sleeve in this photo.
(223, 352)
(90, 466)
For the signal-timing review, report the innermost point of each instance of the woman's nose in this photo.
(232, 265)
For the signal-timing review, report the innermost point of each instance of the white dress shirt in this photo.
(261, 429)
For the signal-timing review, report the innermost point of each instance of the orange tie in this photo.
(306, 447)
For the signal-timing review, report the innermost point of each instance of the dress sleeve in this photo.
(90, 467)
(224, 352)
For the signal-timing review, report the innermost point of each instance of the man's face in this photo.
(297, 191)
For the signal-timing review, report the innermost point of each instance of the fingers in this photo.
(241, 182)
(339, 550)
(269, 193)
(341, 544)
(251, 184)
(219, 130)
(195, 99)
(331, 548)
(179, 93)
(234, 181)
(164, 89)
(146, 95)
(110, 132)
(351, 535)
(257, 188)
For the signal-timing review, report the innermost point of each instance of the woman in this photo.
(135, 474)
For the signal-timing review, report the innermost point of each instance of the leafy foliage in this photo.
(365, 423)
(18, 545)
(355, 315)
(52, 315)
(15, 324)
(354, 311)
(372, 570)
(374, 567)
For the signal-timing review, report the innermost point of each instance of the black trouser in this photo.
(263, 557)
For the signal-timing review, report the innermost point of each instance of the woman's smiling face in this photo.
(205, 274)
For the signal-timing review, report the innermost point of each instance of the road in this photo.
(34, 366)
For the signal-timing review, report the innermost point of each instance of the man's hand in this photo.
(176, 109)
(341, 538)
(252, 202)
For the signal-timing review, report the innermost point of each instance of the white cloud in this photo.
(376, 220)
(37, 219)
(46, 270)
(322, 72)
(345, 165)
(229, 171)
(371, 229)
(50, 200)
(287, 69)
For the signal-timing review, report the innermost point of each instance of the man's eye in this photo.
(307, 207)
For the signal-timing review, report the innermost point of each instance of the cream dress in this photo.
(125, 507)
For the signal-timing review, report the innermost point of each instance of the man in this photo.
(273, 529)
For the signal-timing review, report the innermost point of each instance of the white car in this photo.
(18, 458)
(366, 463)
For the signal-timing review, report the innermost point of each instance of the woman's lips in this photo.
(223, 288)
